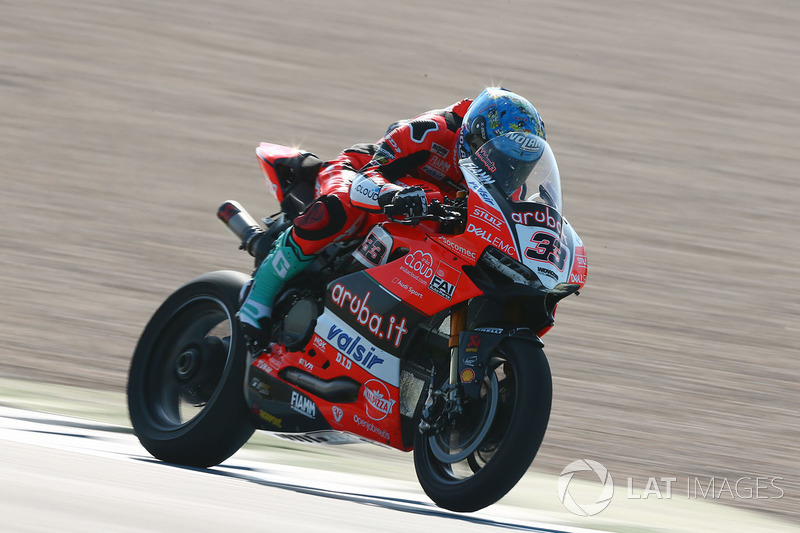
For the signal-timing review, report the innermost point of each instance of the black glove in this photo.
(410, 202)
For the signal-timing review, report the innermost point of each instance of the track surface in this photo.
(125, 124)
(76, 475)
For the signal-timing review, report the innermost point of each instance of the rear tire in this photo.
(185, 384)
(517, 413)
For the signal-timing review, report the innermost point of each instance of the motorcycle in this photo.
(423, 336)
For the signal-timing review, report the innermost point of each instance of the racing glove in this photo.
(409, 201)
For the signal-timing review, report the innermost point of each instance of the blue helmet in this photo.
(494, 112)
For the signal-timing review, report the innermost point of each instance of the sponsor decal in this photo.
(382, 156)
(262, 365)
(547, 272)
(319, 344)
(577, 278)
(394, 145)
(539, 217)
(527, 143)
(337, 413)
(445, 280)
(439, 164)
(261, 388)
(467, 375)
(392, 329)
(457, 248)
(372, 428)
(488, 217)
(434, 172)
(379, 400)
(492, 239)
(407, 287)
(483, 177)
(580, 260)
(496, 331)
(353, 347)
(367, 192)
(487, 162)
(344, 361)
(421, 263)
(270, 418)
(308, 365)
(474, 343)
(475, 184)
(439, 150)
(303, 405)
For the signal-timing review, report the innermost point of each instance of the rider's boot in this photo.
(284, 261)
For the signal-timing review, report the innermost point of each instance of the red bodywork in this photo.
(370, 311)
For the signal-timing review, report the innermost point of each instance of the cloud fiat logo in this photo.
(603, 499)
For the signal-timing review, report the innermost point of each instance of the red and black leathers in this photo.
(353, 188)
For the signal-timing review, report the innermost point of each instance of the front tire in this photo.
(185, 384)
(474, 464)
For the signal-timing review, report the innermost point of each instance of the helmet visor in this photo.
(523, 167)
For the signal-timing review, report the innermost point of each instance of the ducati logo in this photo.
(337, 413)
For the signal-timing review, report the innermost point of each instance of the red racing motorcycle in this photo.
(423, 336)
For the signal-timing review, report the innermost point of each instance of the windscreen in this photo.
(523, 167)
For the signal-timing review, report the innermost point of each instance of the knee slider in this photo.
(324, 218)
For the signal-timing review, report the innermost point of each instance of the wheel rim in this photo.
(459, 443)
(457, 457)
(186, 364)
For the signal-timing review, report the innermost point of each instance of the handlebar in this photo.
(452, 212)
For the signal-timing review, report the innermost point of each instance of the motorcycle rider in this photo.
(354, 188)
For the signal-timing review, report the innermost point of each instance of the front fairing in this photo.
(515, 206)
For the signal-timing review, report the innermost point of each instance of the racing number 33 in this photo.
(547, 248)
(373, 249)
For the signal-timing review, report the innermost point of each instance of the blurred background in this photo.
(123, 126)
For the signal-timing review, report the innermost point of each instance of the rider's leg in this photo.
(284, 261)
(326, 220)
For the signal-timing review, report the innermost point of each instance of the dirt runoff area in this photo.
(125, 124)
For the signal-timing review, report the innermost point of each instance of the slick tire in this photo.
(185, 384)
(514, 437)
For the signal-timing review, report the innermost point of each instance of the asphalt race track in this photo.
(66, 474)
(123, 125)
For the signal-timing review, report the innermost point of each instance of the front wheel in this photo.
(473, 464)
(185, 385)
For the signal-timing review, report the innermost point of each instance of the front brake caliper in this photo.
(442, 408)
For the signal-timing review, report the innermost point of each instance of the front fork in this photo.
(458, 322)
(444, 405)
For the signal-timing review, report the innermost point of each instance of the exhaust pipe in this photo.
(242, 224)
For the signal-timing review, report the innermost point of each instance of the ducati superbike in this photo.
(425, 335)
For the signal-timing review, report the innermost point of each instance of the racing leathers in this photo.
(352, 191)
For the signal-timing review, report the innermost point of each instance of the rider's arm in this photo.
(405, 147)
(371, 192)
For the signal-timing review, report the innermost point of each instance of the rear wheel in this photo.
(473, 464)
(185, 385)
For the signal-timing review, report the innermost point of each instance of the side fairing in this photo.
(548, 245)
